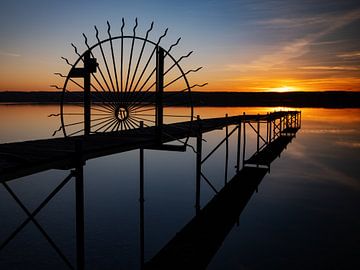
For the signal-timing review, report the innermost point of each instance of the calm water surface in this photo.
(305, 215)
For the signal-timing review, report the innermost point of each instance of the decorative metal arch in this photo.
(122, 91)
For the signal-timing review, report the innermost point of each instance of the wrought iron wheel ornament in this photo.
(121, 81)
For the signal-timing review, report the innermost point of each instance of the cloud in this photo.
(348, 144)
(329, 131)
(349, 55)
(331, 68)
(9, 54)
(270, 61)
(292, 22)
(326, 23)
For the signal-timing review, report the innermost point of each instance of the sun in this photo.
(283, 89)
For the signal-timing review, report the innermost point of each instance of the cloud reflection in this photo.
(348, 144)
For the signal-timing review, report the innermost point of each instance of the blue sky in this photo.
(243, 45)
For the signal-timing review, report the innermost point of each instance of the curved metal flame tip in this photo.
(66, 60)
(108, 24)
(163, 35)
(175, 44)
(151, 27)
(96, 33)
(193, 70)
(54, 114)
(199, 85)
(122, 26)
(56, 131)
(86, 40)
(59, 74)
(75, 48)
(55, 86)
(136, 24)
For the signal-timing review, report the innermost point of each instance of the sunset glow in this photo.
(283, 89)
(242, 45)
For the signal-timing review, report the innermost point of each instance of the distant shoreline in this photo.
(328, 99)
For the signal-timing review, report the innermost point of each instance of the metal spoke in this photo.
(131, 55)
(113, 57)
(104, 58)
(141, 53)
(119, 84)
(149, 59)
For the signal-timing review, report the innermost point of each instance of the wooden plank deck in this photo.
(24, 158)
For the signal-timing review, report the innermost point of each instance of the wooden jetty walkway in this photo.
(196, 243)
(25, 158)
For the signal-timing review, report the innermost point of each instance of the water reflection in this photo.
(305, 214)
(233, 196)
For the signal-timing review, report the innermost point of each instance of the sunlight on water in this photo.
(304, 214)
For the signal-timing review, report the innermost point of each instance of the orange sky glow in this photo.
(249, 47)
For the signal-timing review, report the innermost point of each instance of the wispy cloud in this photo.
(349, 54)
(9, 54)
(327, 23)
(329, 131)
(331, 68)
(292, 22)
(349, 144)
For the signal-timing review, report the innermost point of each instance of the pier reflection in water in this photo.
(111, 227)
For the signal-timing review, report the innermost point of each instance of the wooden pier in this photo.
(196, 243)
(25, 158)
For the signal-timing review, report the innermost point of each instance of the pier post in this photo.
(159, 91)
(198, 166)
(226, 149)
(87, 94)
(79, 201)
(141, 200)
(90, 66)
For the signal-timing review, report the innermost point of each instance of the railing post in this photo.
(238, 148)
(274, 129)
(270, 129)
(226, 149)
(267, 128)
(258, 135)
(244, 139)
(198, 166)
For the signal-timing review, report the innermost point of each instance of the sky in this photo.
(242, 45)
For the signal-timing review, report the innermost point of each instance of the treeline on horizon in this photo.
(327, 99)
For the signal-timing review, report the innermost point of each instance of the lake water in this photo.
(304, 216)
